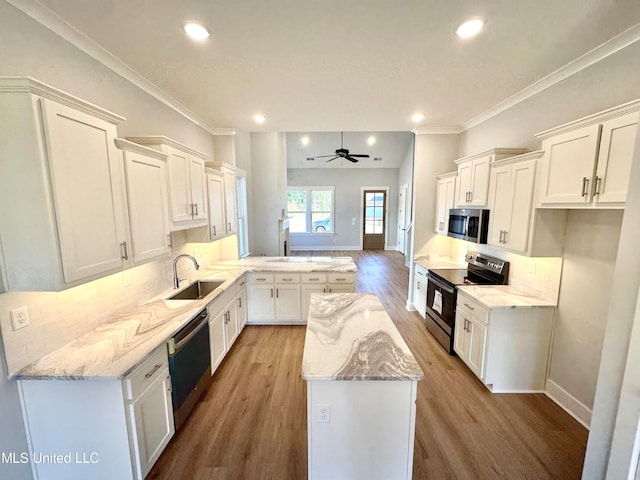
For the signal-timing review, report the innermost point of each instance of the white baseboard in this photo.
(315, 249)
(569, 403)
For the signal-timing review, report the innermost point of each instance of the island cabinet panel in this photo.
(371, 425)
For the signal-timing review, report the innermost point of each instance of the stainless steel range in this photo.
(442, 290)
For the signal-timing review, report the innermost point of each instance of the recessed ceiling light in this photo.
(371, 140)
(304, 140)
(471, 27)
(259, 118)
(196, 31)
(417, 117)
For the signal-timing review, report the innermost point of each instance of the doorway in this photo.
(374, 219)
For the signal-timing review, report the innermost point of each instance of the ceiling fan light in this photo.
(371, 140)
(471, 27)
(305, 140)
(196, 31)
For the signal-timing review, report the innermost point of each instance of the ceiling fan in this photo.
(344, 153)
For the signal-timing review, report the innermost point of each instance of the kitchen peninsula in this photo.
(361, 390)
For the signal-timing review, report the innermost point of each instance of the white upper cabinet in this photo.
(473, 175)
(231, 213)
(186, 181)
(511, 201)
(147, 200)
(587, 162)
(64, 218)
(445, 196)
(215, 191)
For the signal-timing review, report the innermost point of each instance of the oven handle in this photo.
(183, 343)
(441, 285)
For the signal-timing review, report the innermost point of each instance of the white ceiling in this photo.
(355, 65)
(389, 147)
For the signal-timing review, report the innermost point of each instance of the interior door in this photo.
(402, 208)
(374, 215)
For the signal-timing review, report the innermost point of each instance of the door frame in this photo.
(404, 189)
(386, 214)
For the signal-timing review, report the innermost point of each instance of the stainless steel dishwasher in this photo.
(189, 365)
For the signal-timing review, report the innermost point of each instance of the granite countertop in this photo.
(504, 296)
(351, 337)
(114, 349)
(430, 262)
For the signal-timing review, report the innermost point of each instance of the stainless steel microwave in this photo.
(470, 224)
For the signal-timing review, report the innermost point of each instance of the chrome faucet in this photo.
(176, 280)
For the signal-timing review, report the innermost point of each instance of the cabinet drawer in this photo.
(145, 373)
(473, 308)
(340, 278)
(287, 278)
(420, 270)
(221, 301)
(314, 278)
(261, 278)
(241, 283)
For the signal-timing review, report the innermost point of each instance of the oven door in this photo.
(441, 303)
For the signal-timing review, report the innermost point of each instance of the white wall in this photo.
(347, 183)
(589, 255)
(269, 171)
(243, 161)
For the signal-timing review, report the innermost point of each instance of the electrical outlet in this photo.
(324, 413)
(19, 318)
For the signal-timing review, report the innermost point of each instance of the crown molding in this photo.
(155, 140)
(454, 130)
(129, 146)
(225, 131)
(57, 25)
(602, 51)
(36, 87)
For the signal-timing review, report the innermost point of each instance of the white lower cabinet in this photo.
(283, 298)
(217, 340)
(226, 314)
(420, 290)
(108, 428)
(506, 348)
(241, 299)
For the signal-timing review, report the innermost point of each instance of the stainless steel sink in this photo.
(196, 290)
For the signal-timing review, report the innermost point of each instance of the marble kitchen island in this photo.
(361, 390)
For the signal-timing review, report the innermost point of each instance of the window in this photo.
(311, 209)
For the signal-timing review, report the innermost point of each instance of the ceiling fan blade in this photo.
(323, 156)
(351, 159)
(332, 158)
(359, 155)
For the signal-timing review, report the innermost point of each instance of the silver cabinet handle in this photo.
(229, 225)
(585, 183)
(154, 370)
(468, 306)
(272, 293)
(261, 279)
(240, 302)
(324, 290)
(123, 248)
(277, 293)
(169, 237)
(315, 279)
(418, 285)
(196, 205)
(214, 230)
(341, 279)
(506, 232)
(596, 187)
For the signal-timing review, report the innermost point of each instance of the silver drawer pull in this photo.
(261, 279)
(341, 279)
(123, 248)
(314, 279)
(468, 306)
(155, 369)
(287, 279)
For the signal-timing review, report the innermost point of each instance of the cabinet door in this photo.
(568, 160)
(88, 191)
(217, 340)
(465, 174)
(420, 293)
(230, 200)
(441, 191)
(215, 190)
(230, 324)
(197, 187)
(242, 309)
(461, 335)
(480, 181)
(477, 346)
(523, 176)
(307, 291)
(500, 196)
(148, 211)
(449, 202)
(152, 423)
(261, 300)
(617, 144)
(287, 302)
(181, 204)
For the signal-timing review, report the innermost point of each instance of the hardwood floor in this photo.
(251, 423)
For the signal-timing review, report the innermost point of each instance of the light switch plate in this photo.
(19, 318)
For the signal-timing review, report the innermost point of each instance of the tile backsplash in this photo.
(56, 318)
